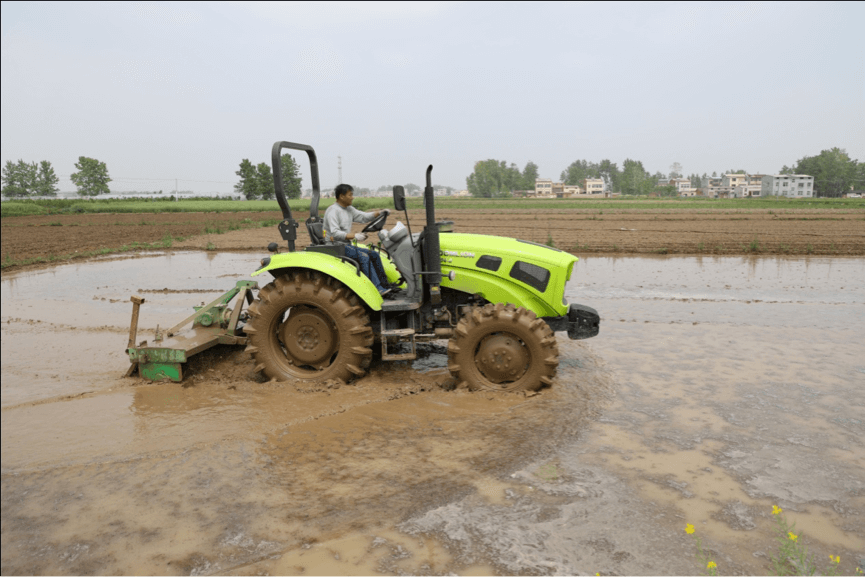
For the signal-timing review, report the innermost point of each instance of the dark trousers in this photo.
(371, 264)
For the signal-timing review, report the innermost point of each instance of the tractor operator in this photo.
(337, 228)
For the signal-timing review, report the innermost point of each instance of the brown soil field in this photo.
(836, 232)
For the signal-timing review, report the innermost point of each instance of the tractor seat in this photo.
(315, 227)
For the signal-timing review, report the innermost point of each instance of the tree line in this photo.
(22, 179)
(834, 171)
(257, 182)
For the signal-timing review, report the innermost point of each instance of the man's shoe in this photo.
(385, 292)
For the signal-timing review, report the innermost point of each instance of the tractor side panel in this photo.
(484, 264)
(344, 272)
(494, 289)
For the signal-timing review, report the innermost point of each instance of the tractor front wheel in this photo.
(501, 347)
(309, 326)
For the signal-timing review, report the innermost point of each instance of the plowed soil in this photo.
(837, 232)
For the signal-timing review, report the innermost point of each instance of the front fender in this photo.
(344, 272)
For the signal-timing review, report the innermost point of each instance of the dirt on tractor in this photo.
(717, 388)
(580, 231)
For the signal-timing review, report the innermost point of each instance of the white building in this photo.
(747, 190)
(543, 187)
(790, 185)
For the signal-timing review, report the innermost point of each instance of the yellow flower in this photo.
(690, 528)
(776, 510)
(791, 536)
(836, 560)
(711, 565)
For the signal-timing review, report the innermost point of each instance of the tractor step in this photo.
(400, 357)
(398, 333)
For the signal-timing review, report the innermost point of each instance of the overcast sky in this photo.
(165, 91)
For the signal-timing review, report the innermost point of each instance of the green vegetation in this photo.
(257, 182)
(23, 179)
(301, 207)
(493, 178)
(92, 177)
(834, 171)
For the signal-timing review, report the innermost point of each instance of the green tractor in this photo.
(497, 300)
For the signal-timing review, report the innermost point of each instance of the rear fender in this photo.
(343, 271)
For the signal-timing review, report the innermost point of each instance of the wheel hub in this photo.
(309, 337)
(502, 358)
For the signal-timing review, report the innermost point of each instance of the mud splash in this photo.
(717, 388)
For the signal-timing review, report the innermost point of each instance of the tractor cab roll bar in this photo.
(288, 227)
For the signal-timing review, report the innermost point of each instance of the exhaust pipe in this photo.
(431, 244)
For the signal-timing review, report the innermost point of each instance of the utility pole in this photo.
(176, 199)
(339, 170)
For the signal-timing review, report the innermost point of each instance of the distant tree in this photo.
(635, 179)
(19, 179)
(834, 171)
(290, 173)
(609, 172)
(92, 177)
(786, 170)
(676, 170)
(714, 174)
(695, 180)
(492, 178)
(579, 170)
(247, 183)
(667, 190)
(412, 189)
(385, 188)
(46, 180)
(264, 180)
(530, 175)
(511, 177)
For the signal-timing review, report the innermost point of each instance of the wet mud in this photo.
(718, 388)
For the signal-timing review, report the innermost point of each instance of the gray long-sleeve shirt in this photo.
(338, 221)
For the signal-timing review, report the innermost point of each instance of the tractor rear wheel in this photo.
(309, 326)
(500, 347)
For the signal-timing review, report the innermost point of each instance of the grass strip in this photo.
(301, 207)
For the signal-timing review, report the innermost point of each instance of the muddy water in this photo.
(717, 388)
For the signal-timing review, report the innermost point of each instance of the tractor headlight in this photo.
(266, 261)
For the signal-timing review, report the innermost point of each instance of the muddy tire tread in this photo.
(354, 333)
(481, 321)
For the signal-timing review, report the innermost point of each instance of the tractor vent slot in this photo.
(489, 262)
(535, 276)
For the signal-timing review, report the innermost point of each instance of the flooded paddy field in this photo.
(717, 388)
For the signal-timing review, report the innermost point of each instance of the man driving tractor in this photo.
(338, 221)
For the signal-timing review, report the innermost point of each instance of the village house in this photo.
(790, 185)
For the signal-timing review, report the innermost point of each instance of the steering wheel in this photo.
(376, 224)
